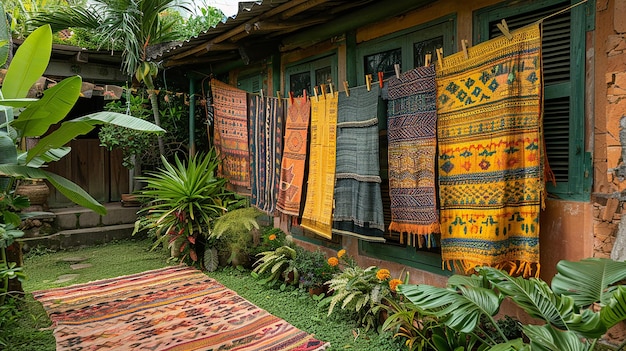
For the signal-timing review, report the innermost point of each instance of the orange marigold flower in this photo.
(341, 253)
(333, 261)
(383, 274)
(393, 284)
(272, 237)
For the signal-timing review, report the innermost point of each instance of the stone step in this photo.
(80, 217)
(82, 237)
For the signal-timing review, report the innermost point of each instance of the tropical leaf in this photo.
(55, 104)
(546, 338)
(17, 102)
(82, 125)
(5, 33)
(615, 311)
(460, 312)
(71, 190)
(534, 296)
(28, 64)
(589, 280)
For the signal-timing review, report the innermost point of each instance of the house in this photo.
(293, 45)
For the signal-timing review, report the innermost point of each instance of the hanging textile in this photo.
(411, 131)
(318, 208)
(358, 202)
(490, 154)
(265, 117)
(294, 156)
(231, 135)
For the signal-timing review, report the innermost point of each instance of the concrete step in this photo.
(82, 237)
(79, 217)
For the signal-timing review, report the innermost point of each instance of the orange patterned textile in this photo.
(174, 308)
(491, 154)
(318, 208)
(294, 156)
(231, 134)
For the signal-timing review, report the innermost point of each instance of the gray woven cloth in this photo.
(358, 201)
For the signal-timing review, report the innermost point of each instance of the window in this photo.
(407, 48)
(305, 76)
(251, 84)
(563, 50)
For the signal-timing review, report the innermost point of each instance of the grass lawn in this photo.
(31, 329)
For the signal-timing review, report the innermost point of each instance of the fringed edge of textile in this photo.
(418, 240)
(514, 268)
(419, 229)
(359, 236)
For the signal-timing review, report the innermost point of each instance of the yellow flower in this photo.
(383, 274)
(272, 237)
(393, 284)
(341, 253)
(333, 261)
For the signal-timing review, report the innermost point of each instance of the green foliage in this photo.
(198, 23)
(232, 233)
(39, 116)
(586, 299)
(183, 199)
(359, 290)
(135, 145)
(277, 265)
(313, 268)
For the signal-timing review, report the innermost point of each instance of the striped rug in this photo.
(174, 308)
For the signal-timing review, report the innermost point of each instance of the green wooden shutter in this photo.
(563, 57)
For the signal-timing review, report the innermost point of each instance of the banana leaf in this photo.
(71, 190)
(55, 104)
(28, 64)
(83, 125)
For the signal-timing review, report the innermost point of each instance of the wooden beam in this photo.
(220, 47)
(301, 8)
(286, 27)
(362, 16)
(284, 7)
(201, 59)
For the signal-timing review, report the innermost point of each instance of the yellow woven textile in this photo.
(318, 208)
(490, 154)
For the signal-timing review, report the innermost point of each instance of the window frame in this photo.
(578, 185)
(311, 64)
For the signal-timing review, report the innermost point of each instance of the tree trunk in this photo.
(157, 119)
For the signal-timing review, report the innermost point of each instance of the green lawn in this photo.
(31, 330)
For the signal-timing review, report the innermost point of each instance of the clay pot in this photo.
(37, 192)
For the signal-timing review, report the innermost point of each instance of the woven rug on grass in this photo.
(318, 209)
(231, 135)
(265, 119)
(490, 153)
(175, 308)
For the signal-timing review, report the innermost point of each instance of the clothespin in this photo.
(440, 57)
(396, 67)
(381, 77)
(323, 90)
(464, 47)
(330, 86)
(427, 59)
(345, 87)
(304, 93)
(504, 28)
(368, 82)
(261, 94)
(280, 101)
(315, 91)
(291, 96)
